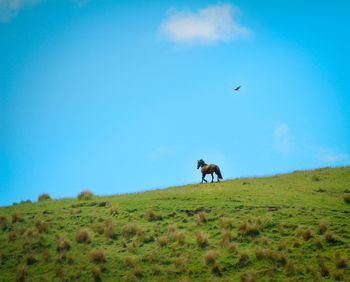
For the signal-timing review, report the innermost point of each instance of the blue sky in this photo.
(118, 97)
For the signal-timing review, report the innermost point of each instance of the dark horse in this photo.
(209, 169)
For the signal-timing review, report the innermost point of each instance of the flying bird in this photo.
(237, 88)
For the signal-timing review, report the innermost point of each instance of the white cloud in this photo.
(329, 155)
(210, 24)
(10, 8)
(282, 138)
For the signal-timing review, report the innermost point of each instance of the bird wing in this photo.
(237, 88)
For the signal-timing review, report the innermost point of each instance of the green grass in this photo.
(288, 226)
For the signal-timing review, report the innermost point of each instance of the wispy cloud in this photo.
(10, 8)
(211, 24)
(329, 155)
(282, 138)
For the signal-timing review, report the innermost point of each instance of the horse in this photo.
(209, 169)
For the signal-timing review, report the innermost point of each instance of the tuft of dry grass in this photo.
(210, 256)
(200, 218)
(114, 210)
(130, 229)
(201, 239)
(250, 226)
(329, 236)
(109, 228)
(130, 261)
(3, 222)
(98, 255)
(179, 237)
(172, 228)
(41, 226)
(322, 226)
(82, 236)
(15, 217)
(215, 268)
(346, 198)
(310, 269)
(136, 271)
(341, 262)
(151, 216)
(324, 270)
(44, 197)
(338, 275)
(226, 223)
(62, 244)
(156, 270)
(306, 234)
(85, 195)
(180, 263)
(163, 240)
(260, 253)
(249, 277)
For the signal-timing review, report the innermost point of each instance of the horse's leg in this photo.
(212, 178)
(203, 174)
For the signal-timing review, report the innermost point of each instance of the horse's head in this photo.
(200, 163)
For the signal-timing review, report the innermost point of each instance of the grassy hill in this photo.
(289, 227)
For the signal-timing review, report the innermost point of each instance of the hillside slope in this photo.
(290, 226)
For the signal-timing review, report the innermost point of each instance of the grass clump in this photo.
(3, 222)
(130, 261)
(85, 195)
(130, 229)
(44, 197)
(114, 210)
(109, 228)
(180, 263)
(179, 237)
(163, 240)
(226, 223)
(341, 261)
(82, 236)
(306, 234)
(156, 269)
(200, 218)
(98, 255)
(210, 256)
(347, 198)
(249, 277)
(41, 226)
(150, 215)
(16, 218)
(250, 226)
(330, 238)
(62, 244)
(322, 226)
(201, 239)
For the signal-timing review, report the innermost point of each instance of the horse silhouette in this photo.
(209, 169)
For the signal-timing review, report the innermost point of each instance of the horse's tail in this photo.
(218, 172)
